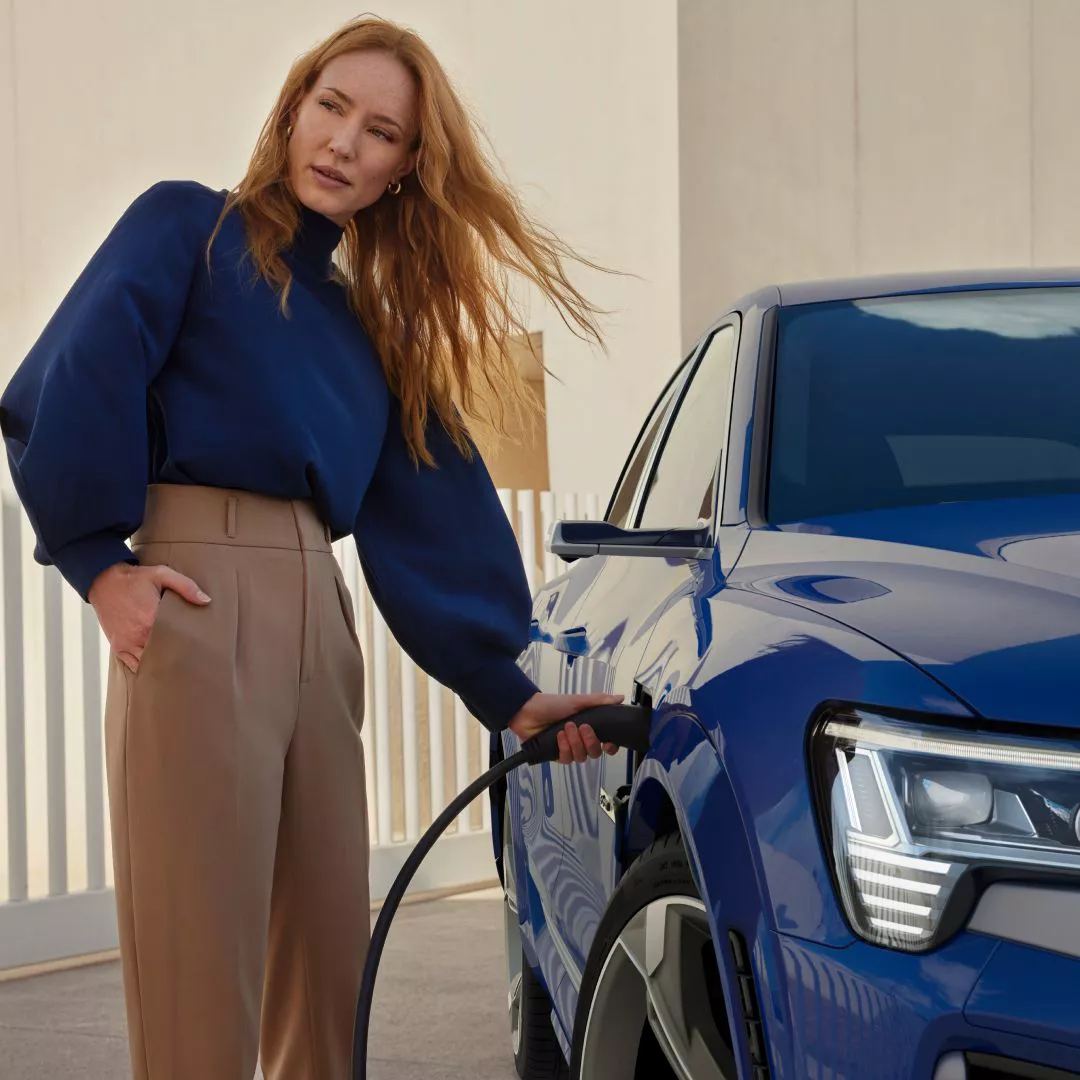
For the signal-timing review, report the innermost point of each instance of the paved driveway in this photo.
(440, 1008)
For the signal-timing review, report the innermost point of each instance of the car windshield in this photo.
(915, 400)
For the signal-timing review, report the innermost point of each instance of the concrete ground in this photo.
(439, 1013)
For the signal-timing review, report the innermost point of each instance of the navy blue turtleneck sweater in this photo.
(153, 370)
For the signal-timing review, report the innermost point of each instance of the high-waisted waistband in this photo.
(194, 513)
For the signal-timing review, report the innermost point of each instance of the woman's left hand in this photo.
(576, 741)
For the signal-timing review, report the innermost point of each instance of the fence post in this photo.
(527, 535)
(461, 758)
(483, 739)
(435, 746)
(15, 702)
(547, 519)
(55, 771)
(92, 726)
(410, 756)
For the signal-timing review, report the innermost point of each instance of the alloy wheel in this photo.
(659, 978)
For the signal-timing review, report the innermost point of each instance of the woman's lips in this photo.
(327, 180)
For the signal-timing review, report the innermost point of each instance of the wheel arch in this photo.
(688, 789)
(680, 786)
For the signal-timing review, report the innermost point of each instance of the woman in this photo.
(214, 389)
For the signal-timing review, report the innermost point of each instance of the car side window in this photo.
(623, 502)
(682, 487)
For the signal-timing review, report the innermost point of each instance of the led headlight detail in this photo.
(952, 798)
(917, 815)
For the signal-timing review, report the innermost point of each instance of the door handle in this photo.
(573, 641)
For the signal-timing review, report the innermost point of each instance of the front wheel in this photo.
(651, 1006)
(537, 1053)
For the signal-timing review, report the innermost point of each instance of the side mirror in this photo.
(572, 540)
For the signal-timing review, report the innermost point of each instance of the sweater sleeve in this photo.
(443, 566)
(74, 415)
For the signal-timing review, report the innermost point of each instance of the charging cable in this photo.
(623, 725)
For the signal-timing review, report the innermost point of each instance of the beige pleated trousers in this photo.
(237, 798)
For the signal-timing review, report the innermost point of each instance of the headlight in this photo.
(919, 818)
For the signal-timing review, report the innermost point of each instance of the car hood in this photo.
(985, 597)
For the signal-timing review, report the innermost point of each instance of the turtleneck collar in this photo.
(316, 240)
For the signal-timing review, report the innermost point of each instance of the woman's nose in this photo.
(343, 146)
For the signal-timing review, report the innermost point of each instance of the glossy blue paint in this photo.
(769, 667)
(862, 288)
(1029, 992)
(684, 759)
(609, 662)
(963, 612)
(871, 1012)
(933, 583)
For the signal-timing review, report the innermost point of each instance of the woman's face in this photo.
(358, 122)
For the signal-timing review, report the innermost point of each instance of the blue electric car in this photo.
(842, 568)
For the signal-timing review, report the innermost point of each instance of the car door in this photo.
(677, 488)
(555, 638)
(531, 788)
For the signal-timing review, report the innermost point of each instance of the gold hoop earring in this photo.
(394, 189)
(288, 132)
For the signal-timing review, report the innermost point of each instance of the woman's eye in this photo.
(382, 134)
(329, 104)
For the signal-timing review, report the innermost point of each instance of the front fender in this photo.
(757, 696)
(683, 783)
(737, 678)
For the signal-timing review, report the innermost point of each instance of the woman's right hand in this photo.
(575, 742)
(125, 599)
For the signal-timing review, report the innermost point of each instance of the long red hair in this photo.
(427, 271)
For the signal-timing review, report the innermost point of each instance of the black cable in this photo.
(625, 725)
(397, 891)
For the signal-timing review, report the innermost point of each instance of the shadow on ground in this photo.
(440, 1008)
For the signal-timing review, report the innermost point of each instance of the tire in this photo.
(537, 1052)
(628, 1024)
(539, 1055)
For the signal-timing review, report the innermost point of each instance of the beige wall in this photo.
(863, 136)
(100, 100)
(766, 147)
(706, 147)
(10, 251)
